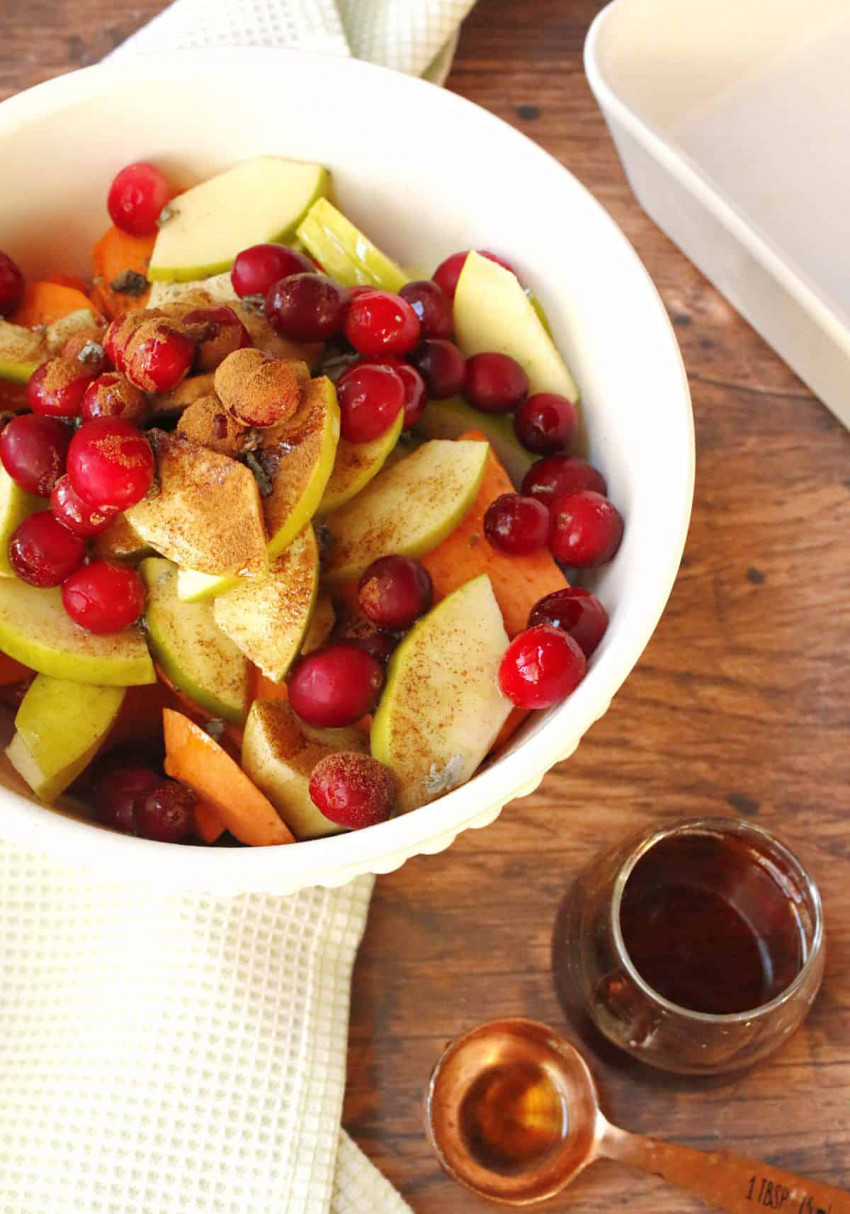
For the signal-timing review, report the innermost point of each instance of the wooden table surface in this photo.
(739, 705)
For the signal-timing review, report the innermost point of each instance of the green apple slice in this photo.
(190, 648)
(493, 312)
(21, 351)
(261, 200)
(120, 542)
(15, 506)
(356, 464)
(453, 417)
(279, 753)
(299, 457)
(344, 252)
(60, 727)
(321, 624)
(267, 618)
(35, 630)
(408, 508)
(205, 511)
(441, 709)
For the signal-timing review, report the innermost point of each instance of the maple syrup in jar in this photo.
(710, 926)
(698, 948)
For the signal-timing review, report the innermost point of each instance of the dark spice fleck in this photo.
(92, 352)
(265, 484)
(253, 303)
(131, 282)
(215, 728)
(755, 576)
(527, 112)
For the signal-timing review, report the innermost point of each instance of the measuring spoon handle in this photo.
(730, 1182)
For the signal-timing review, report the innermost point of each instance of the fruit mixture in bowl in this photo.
(285, 529)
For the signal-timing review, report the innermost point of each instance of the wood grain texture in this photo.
(739, 705)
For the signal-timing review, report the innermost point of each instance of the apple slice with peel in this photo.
(493, 313)
(298, 458)
(441, 708)
(21, 351)
(453, 417)
(15, 506)
(260, 200)
(60, 726)
(35, 630)
(120, 542)
(267, 618)
(356, 464)
(409, 508)
(321, 624)
(190, 648)
(344, 252)
(205, 511)
(279, 753)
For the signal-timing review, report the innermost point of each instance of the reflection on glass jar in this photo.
(698, 948)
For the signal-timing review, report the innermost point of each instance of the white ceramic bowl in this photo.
(424, 172)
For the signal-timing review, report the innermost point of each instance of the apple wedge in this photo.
(453, 417)
(205, 511)
(260, 200)
(120, 542)
(321, 624)
(191, 650)
(409, 508)
(356, 464)
(441, 708)
(267, 618)
(35, 630)
(298, 458)
(279, 753)
(344, 252)
(15, 506)
(493, 312)
(60, 727)
(21, 351)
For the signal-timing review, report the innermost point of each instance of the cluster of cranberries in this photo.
(137, 800)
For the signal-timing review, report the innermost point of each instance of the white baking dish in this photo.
(733, 124)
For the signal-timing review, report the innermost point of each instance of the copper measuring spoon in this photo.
(513, 1114)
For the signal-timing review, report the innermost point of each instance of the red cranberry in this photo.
(104, 597)
(431, 305)
(118, 333)
(57, 387)
(377, 322)
(305, 307)
(441, 365)
(335, 686)
(33, 450)
(448, 272)
(415, 396)
(559, 475)
(546, 423)
(541, 666)
(495, 383)
(575, 611)
(158, 356)
(43, 552)
(586, 529)
(517, 524)
(112, 395)
(166, 813)
(89, 352)
(394, 591)
(11, 285)
(381, 645)
(136, 198)
(78, 516)
(110, 463)
(371, 396)
(260, 267)
(353, 790)
(217, 332)
(119, 793)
